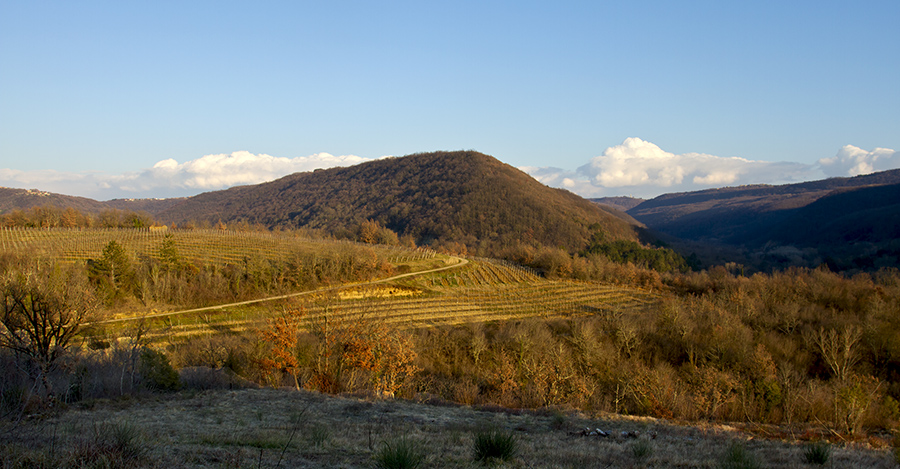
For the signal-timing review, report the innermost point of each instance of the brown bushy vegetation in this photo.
(800, 347)
(805, 347)
(51, 216)
(46, 304)
(797, 347)
(337, 353)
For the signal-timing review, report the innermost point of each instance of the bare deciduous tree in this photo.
(41, 311)
(838, 348)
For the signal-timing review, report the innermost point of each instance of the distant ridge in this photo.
(621, 203)
(737, 215)
(830, 216)
(441, 197)
(24, 199)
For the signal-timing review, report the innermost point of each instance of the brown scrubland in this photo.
(713, 366)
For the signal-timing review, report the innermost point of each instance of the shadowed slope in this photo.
(464, 197)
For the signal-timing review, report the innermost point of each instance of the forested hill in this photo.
(23, 199)
(847, 223)
(739, 215)
(622, 203)
(437, 198)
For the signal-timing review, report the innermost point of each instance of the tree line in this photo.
(55, 217)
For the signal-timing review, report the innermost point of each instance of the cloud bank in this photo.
(635, 168)
(169, 178)
(853, 161)
(639, 168)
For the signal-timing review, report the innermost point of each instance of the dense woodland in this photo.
(462, 201)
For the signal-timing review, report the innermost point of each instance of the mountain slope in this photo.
(24, 199)
(741, 215)
(865, 214)
(849, 229)
(464, 197)
(848, 223)
(622, 203)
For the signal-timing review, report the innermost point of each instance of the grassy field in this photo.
(270, 428)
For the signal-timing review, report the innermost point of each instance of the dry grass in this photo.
(281, 428)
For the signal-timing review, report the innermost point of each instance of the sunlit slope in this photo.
(195, 246)
(481, 291)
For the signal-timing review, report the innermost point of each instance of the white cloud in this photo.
(853, 161)
(642, 169)
(213, 172)
(635, 167)
(168, 178)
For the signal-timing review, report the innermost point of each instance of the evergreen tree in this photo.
(112, 273)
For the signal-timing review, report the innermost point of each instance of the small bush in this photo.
(817, 453)
(641, 449)
(11, 399)
(398, 454)
(495, 445)
(558, 421)
(157, 372)
(318, 435)
(203, 378)
(737, 457)
(112, 445)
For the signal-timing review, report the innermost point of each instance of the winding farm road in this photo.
(459, 263)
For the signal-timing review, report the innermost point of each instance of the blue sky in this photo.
(147, 99)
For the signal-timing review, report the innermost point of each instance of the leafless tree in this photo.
(838, 347)
(42, 308)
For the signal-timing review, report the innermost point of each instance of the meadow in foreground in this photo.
(288, 428)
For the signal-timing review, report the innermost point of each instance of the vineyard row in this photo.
(204, 246)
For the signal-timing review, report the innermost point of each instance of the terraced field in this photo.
(201, 246)
(481, 291)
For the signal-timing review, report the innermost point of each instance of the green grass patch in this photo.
(817, 453)
(738, 457)
(494, 445)
(401, 453)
